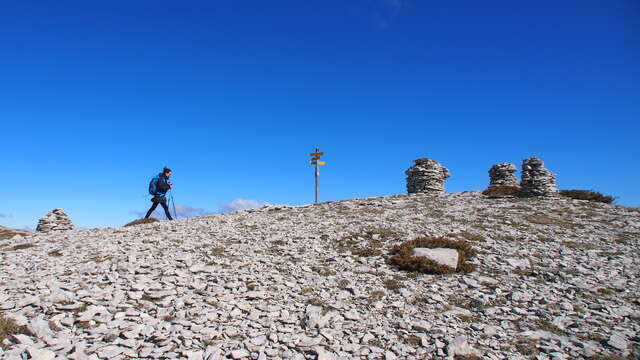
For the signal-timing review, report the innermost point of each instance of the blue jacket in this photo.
(158, 185)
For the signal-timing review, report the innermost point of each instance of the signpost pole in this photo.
(317, 177)
(315, 160)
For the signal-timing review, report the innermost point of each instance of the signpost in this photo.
(315, 160)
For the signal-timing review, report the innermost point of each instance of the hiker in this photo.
(158, 187)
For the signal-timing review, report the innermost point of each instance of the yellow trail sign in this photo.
(316, 154)
(319, 163)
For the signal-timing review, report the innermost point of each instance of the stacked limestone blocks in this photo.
(536, 180)
(426, 176)
(503, 175)
(55, 220)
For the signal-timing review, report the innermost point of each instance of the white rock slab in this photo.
(40, 354)
(459, 346)
(444, 256)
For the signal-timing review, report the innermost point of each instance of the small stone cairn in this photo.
(503, 175)
(426, 176)
(55, 220)
(536, 179)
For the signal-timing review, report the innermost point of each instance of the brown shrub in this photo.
(501, 191)
(142, 221)
(402, 256)
(366, 252)
(588, 195)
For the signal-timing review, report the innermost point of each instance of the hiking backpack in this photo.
(153, 185)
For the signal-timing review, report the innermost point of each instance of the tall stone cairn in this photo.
(503, 175)
(426, 176)
(55, 220)
(536, 180)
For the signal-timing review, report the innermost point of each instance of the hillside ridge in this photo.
(556, 278)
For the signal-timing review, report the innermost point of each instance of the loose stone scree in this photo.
(426, 176)
(55, 220)
(536, 179)
(503, 175)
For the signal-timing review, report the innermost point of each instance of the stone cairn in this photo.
(55, 220)
(536, 180)
(502, 175)
(426, 176)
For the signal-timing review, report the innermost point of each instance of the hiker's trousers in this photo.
(162, 201)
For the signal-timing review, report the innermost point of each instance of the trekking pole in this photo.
(173, 203)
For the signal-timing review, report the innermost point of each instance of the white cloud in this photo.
(188, 211)
(240, 204)
(183, 211)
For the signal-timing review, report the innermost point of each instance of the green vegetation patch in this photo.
(402, 256)
(588, 195)
(142, 221)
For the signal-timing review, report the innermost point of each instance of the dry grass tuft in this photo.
(55, 253)
(22, 246)
(501, 191)
(9, 327)
(142, 221)
(83, 324)
(7, 233)
(588, 195)
(402, 256)
(468, 236)
(367, 242)
(366, 252)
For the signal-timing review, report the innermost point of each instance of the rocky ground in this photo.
(555, 279)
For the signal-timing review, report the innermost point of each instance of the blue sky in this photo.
(96, 97)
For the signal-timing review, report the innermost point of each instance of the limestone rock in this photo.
(40, 354)
(314, 317)
(40, 328)
(55, 220)
(444, 256)
(503, 175)
(426, 176)
(618, 341)
(536, 179)
(459, 346)
(239, 354)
